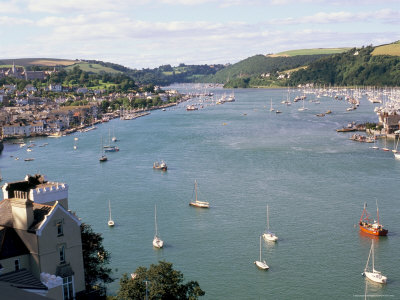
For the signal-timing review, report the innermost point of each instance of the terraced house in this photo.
(40, 239)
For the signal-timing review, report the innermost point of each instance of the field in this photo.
(310, 52)
(50, 62)
(93, 68)
(391, 49)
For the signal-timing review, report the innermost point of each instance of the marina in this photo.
(314, 179)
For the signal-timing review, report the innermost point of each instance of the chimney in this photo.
(22, 212)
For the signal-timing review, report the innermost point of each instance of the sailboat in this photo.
(373, 274)
(114, 138)
(261, 264)
(197, 203)
(271, 109)
(385, 148)
(268, 235)
(109, 147)
(302, 108)
(157, 242)
(103, 157)
(110, 220)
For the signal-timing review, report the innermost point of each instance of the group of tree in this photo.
(354, 67)
(159, 281)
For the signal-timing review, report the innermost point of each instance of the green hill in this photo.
(390, 49)
(314, 51)
(355, 67)
(260, 64)
(95, 68)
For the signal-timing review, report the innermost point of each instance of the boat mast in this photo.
(369, 255)
(109, 208)
(373, 256)
(377, 210)
(195, 189)
(155, 218)
(260, 248)
(267, 219)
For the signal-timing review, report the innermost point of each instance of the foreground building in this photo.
(40, 239)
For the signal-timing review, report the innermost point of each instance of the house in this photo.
(40, 239)
(17, 129)
(55, 88)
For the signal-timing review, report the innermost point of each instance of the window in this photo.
(61, 251)
(17, 265)
(68, 288)
(60, 231)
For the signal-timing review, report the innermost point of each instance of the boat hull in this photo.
(373, 231)
(261, 265)
(270, 237)
(200, 204)
(158, 243)
(375, 277)
(110, 223)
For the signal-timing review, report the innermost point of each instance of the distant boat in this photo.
(191, 107)
(157, 242)
(373, 274)
(110, 220)
(268, 235)
(271, 108)
(103, 157)
(197, 203)
(109, 147)
(160, 166)
(261, 264)
(278, 112)
(367, 226)
(328, 112)
(302, 108)
(114, 138)
(28, 159)
(396, 155)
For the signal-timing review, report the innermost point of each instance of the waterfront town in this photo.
(25, 113)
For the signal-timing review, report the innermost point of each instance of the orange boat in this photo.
(374, 228)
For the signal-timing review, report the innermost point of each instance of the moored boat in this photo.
(160, 166)
(197, 203)
(373, 274)
(367, 226)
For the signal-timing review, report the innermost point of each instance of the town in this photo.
(33, 107)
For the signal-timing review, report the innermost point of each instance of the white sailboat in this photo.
(197, 203)
(302, 108)
(373, 274)
(268, 235)
(271, 108)
(110, 220)
(114, 138)
(261, 264)
(157, 242)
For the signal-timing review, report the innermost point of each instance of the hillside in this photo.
(260, 64)
(390, 49)
(355, 67)
(47, 62)
(315, 51)
(95, 68)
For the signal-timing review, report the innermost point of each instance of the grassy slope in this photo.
(391, 49)
(93, 68)
(37, 61)
(310, 51)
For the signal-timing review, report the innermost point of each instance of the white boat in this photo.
(157, 242)
(114, 138)
(261, 264)
(271, 108)
(268, 235)
(397, 155)
(103, 157)
(197, 203)
(110, 220)
(373, 274)
(302, 108)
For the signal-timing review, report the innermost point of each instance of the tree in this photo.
(95, 259)
(163, 282)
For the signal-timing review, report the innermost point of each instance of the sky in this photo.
(149, 33)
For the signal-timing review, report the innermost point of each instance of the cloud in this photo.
(384, 16)
(9, 7)
(13, 21)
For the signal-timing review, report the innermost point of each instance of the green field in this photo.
(93, 68)
(391, 49)
(310, 51)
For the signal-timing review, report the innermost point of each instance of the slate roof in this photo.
(39, 212)
(11, 244)
(23, 279)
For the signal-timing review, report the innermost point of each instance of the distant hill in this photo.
(314, 51)
(48, 62)
(95, 68)
(359, 66)
(260, 64)
(390, 49)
